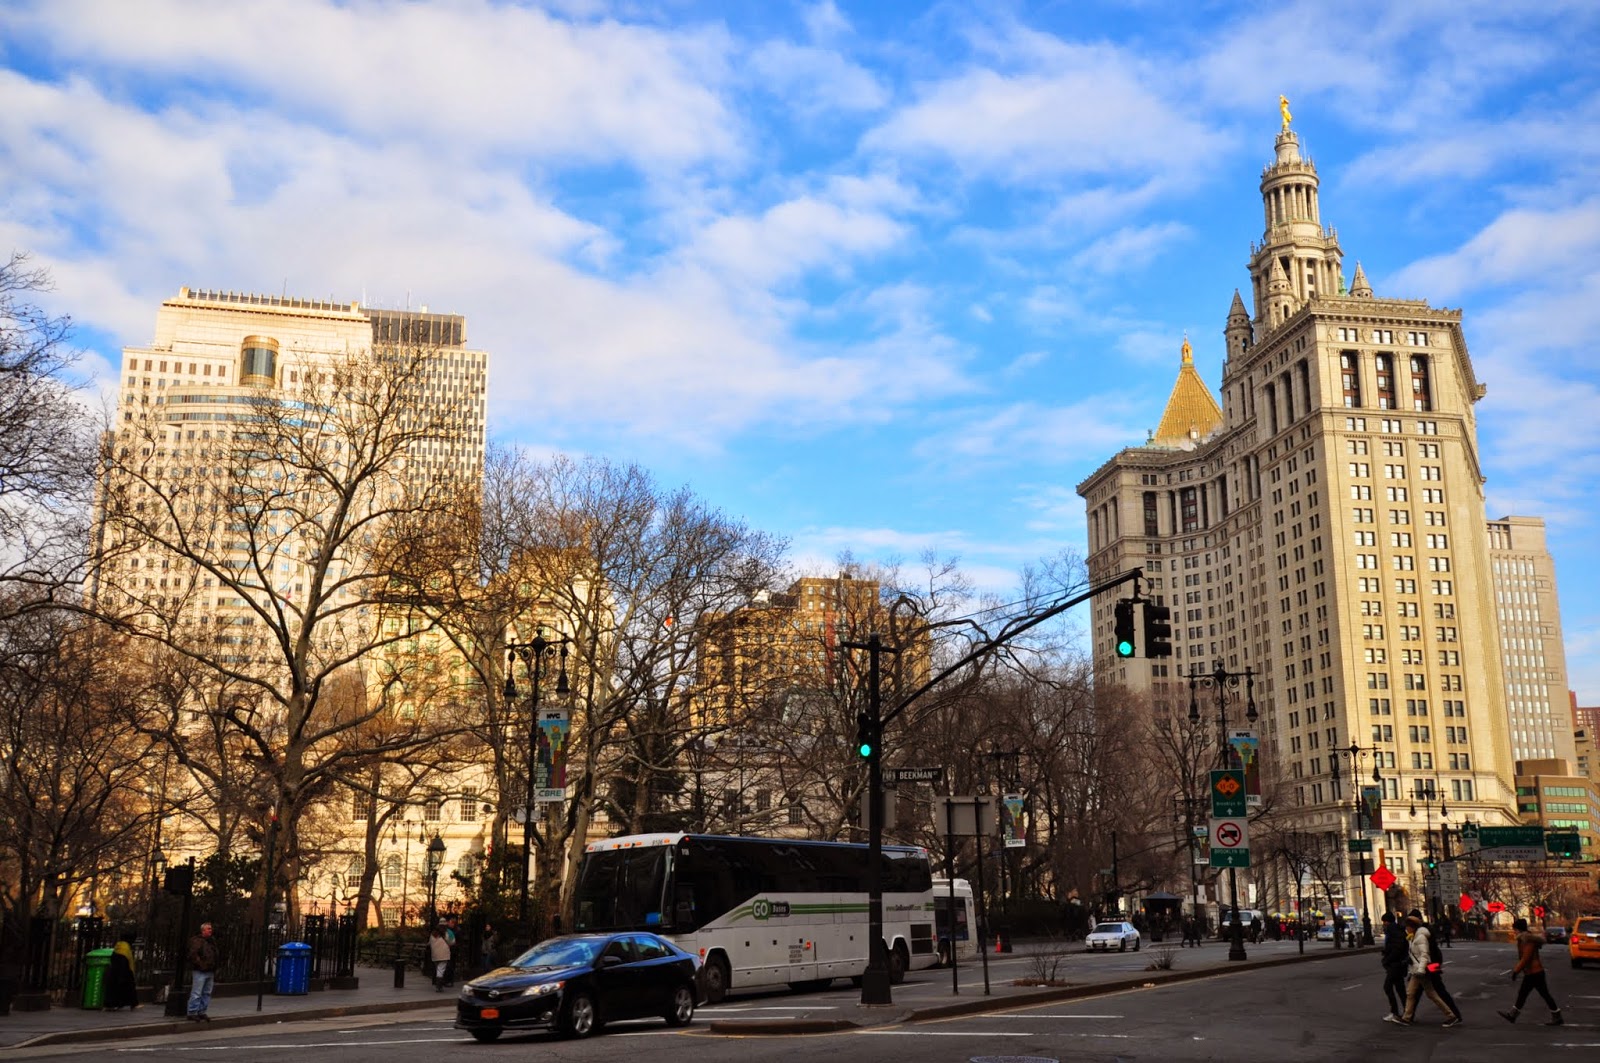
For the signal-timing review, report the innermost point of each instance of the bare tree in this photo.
(46, 446)
(270, 542)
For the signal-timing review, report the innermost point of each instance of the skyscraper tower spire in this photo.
(1294, 243)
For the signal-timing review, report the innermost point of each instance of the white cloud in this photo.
(1131, 248)
(816, 81)
(468, 76)
(1520, 246)
(1077, 109)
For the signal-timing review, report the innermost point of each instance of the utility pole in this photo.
(870, 724)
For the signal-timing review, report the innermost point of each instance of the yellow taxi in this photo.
(1584, 942)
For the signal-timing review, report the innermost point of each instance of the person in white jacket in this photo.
(1418, 957)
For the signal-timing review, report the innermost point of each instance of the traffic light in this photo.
(866, 735)
(1431, 864)
(1124, 628)
(1157, 630)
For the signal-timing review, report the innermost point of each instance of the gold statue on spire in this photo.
(1188, 351)
(1283, 109)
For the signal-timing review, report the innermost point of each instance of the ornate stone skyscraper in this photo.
(1327, 530)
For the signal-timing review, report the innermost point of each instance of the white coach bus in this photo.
(760, 911)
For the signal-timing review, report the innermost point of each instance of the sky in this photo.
(875, 276)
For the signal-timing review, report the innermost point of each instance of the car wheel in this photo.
(486, 1035)
(580, 1017)
(682, 1006)
(897, 966)
(1138, 943)
(1122, 946)
(715, 979)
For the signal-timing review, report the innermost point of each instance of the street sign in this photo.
(1498, 837)
(1449, 878)
(1382, 878)
(931, 775)
(1227, 793)
(1360, 845)
(1230, 841)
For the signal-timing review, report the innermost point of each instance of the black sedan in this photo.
(576, 983)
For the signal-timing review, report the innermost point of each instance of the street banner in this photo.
(550, 762)
(1371, 825)
(1011, 828)
(1243, 750)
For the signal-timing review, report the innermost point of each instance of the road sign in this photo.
(1230, 841)
(1227, 793)
(1360, 845)
(932, 775)
(1499, 837)
(1449, 878)
(1382, 878)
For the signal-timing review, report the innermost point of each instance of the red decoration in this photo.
(1538, 911)
(1495, 907)
(1466, 902)
(1382, 878)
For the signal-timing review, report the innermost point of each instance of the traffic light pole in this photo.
(875, 979)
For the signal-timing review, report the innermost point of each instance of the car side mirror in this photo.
(611, 960)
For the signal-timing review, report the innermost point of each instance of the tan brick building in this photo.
(1324, 526)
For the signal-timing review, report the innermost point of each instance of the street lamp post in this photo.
(1184, 809)
(1220, 679)
(533, 655)
(1355, 753)
(1428, 792)
(435, 858)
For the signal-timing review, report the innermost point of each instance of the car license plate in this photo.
(489, 1013)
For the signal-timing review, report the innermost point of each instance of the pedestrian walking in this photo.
(491, 944)
(439, 956)
(1394, 960)
(1436, 966)
(1419, 957)
(203, 979)
(1531, 968)
(121, 989)
(452, 938)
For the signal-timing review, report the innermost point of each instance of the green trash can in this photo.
(96, 964)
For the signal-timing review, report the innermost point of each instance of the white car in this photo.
(1107, 936)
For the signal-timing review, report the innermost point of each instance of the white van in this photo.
(954, 920)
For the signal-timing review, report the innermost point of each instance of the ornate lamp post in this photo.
(1355, 753)
(533, 656)
(1428, 792)
(435, 858)
(1220, 679)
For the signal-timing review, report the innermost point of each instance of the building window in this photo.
(432, 809)
(469, 805)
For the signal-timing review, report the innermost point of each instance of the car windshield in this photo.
(560, 952)
(1108, 928)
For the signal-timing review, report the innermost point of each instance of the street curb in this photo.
(1151, 979)
(174, 1026)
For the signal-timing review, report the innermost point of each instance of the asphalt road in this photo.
(1324, 1011)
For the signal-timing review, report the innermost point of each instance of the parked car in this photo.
(1583, 943)
(1556, 935)
(1325, 932)
(1107, 936)
(576, 983)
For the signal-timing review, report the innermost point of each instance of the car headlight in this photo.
(543, 989)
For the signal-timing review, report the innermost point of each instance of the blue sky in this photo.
(877, 276)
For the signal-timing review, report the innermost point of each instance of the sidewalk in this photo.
(376, 995)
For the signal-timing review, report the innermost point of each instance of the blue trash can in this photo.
(294, 968)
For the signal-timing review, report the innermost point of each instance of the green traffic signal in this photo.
(866, 736)
(1123, 628)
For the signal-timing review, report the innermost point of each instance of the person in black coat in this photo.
(1394, 960)
(121, 991)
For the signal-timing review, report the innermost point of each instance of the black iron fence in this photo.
(58, 950)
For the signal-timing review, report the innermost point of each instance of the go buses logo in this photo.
(762, 908)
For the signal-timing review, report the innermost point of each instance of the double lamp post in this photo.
(533, 654)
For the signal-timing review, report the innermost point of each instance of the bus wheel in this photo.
(897, 965)
(715, 975)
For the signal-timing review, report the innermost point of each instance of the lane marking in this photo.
(1019, 1015)
(291, 1047)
